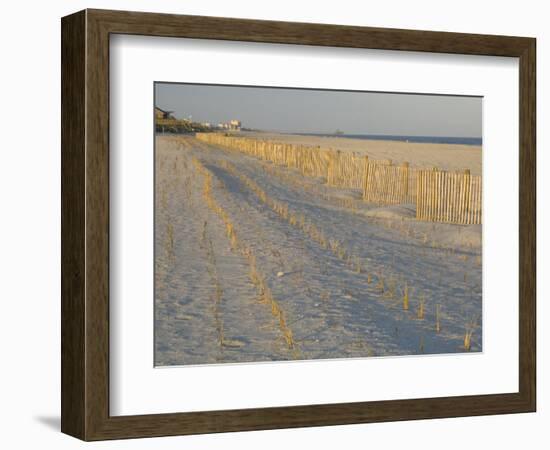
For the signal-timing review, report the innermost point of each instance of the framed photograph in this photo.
(273, 225)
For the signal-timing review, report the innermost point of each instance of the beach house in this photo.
(235, 125)
(162, 114)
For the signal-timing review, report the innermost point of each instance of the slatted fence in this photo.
(449, 197)
(311, 161)
(345, 169)
(439, 195)
(389, 184)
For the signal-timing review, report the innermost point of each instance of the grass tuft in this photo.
(421, 305)
(406, 294)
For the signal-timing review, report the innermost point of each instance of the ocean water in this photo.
(422, 139)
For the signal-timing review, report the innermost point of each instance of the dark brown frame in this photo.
(85, 224)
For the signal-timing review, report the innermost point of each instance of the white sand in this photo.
(332, 309)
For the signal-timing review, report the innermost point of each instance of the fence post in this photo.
(405, 191)
(366, 181)
(467, 196)
(330, 171)
(420, 195)
(338, 166)
(433, 194)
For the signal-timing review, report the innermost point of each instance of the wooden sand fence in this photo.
(386, 184)
(449, 197)
(345, 169)
(310, 161)
(440, 196)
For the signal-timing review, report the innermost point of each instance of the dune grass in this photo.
(256, 277)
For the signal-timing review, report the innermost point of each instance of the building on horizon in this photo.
(235, 125)
(162, 114)
(232, 125)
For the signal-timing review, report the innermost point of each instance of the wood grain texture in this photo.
(85, 224)
(527, 224)
(72, 224)
(201, 27)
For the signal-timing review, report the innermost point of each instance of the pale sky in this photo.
(324, 111)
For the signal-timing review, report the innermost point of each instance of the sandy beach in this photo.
(444, 156)
(256, 262)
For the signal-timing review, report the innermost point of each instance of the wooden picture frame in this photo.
(85, 224)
